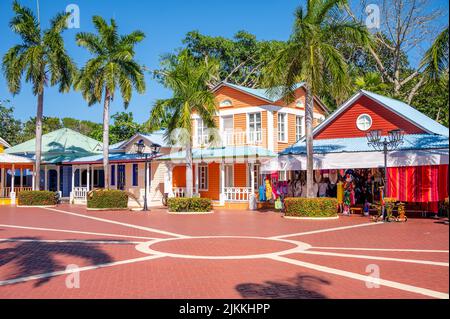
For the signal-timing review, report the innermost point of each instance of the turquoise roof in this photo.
(63, 141)
(221, 152)
(359, 144)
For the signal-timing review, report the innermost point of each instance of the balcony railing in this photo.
(179, 191)
(237, 194)
(232, 138)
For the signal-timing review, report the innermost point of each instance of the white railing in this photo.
(237, 194)
(179, 191)
(79, 193)
(6, 191)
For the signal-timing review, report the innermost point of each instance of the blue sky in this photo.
(165, 24)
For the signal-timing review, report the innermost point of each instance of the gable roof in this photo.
(58, 142)
(157, 137)
(400, 108)
(4, 143)
(262, 93)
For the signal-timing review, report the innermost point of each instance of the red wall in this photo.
(382, 119)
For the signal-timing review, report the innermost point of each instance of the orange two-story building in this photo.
(252, 127)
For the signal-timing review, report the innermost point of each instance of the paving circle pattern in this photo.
(259, 255)
(213, 247)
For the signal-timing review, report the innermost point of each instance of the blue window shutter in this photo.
(113, 174)
(135, 174)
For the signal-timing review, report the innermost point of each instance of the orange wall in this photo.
(382, 119)
(238, 98)
(240, 178)
(213, 182)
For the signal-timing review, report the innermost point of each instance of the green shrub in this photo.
(311, 207)
(107, 198)
(192, 204)
(37, 198)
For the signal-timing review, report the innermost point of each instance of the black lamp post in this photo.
(389, 143)
(140, 149)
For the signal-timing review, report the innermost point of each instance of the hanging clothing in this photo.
(340, 192)
(268, 190)
(262, 193)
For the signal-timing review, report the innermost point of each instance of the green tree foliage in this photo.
(82, 126)
(49, 124)
(124, 127)
(9, 127)
(241, 58)
(432, 99)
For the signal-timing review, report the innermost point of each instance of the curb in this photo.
(311, 218)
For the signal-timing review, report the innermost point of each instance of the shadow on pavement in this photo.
(300, 287)
(33, 258)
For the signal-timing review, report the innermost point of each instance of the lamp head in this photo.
(140, 147)
(373, 136)
(155, 148)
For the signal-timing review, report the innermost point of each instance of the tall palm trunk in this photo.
(38, 146)
(189, 177)
(309, 142)
(106, 137)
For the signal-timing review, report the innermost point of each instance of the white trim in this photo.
(255, 140)
(286, 121)
(270, 134)
(200, 166)
(359, 118)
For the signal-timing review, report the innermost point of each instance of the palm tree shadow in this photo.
(300, 287)
(33, 258)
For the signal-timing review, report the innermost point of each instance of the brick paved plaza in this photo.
(228, 254)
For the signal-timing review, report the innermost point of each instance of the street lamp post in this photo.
(154, 150)
(389, 143)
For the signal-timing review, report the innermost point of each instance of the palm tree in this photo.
(42, 57)
(434, 64)
(435, 61)
(188, 79)
(112, 67)
(311, 57)
(371, 81)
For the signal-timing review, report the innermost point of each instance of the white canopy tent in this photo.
(346, 160)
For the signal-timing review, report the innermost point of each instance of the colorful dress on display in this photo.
(347, 194)
(340, 192)
(262, 193)
(268, 190)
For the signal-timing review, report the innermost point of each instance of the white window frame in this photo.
(255, 135)
(202, 137)
(203, 176)
(361, 126)
(257, 170)
(231, 167)
(282, 130)
(299, 127)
